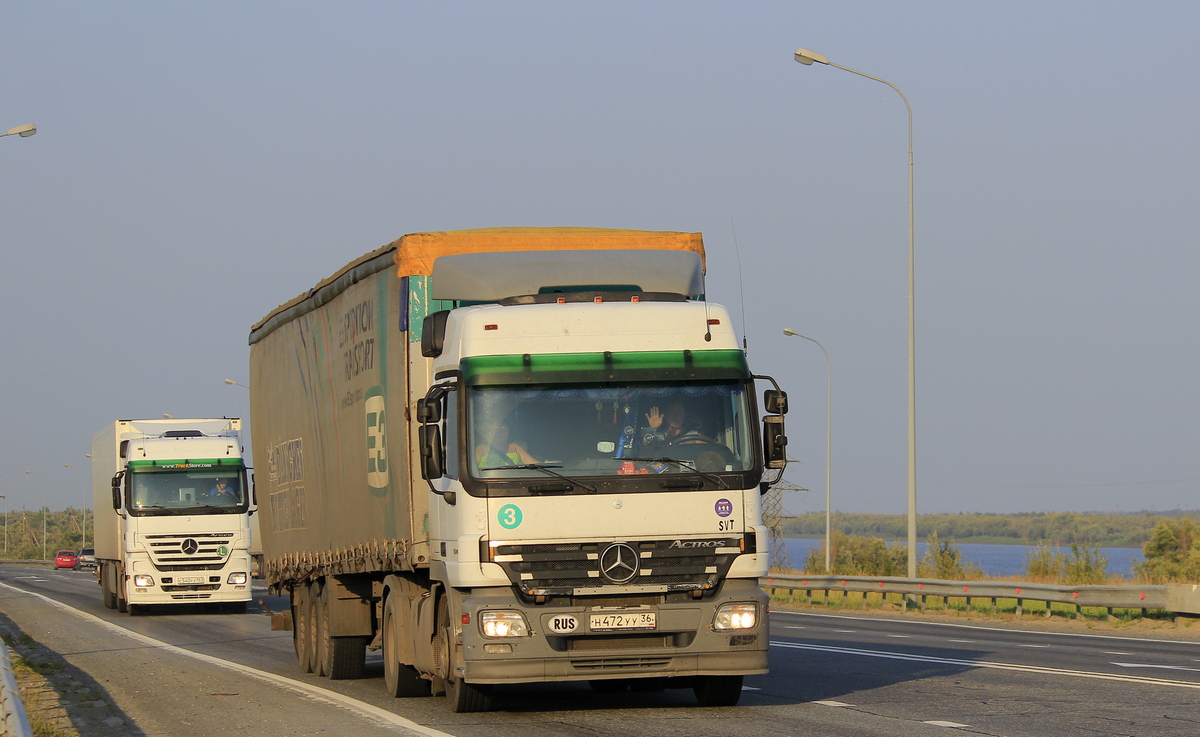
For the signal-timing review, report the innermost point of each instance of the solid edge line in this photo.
(1037, 669)
(332, 697)
(776, 612)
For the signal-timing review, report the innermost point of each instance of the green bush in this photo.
(1170, 553)
(942, 560)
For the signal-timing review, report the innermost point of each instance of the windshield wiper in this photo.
(544, 467)
(686, 465)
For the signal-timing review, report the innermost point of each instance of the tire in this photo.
(718, 690)
(348, 657)
(316, 631)
(106, 592)
(399, 679)
(300, 626)
(464, 697)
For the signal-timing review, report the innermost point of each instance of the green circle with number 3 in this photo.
(509, 516)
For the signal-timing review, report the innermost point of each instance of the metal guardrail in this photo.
(1176, 597)
(16, 721)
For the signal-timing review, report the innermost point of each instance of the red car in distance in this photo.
(66, 559)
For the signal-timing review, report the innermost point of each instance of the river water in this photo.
(993, 560)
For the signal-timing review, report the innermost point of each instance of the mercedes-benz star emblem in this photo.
(190, 546)
(619, 563)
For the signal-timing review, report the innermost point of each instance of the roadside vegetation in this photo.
(63, 531)
(1126, 530)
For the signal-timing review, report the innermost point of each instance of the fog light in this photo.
(237, 578)
(497, 648)
(503, 624)
(736, 617)
(142, 580)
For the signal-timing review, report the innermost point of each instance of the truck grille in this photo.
(561, 569)
(190, 552)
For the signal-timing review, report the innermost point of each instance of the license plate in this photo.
(623, 621)
(189, 579)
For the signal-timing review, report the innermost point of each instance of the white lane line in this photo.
(1020, 645)
(1113, 652)
(1152, 665)
(849, 632)
(831, 703)
(989, 664)
(794, 627)
(900, 637)
(750, 688)
(978, 628)
(967, 641)
(316, 692)
(956, 725)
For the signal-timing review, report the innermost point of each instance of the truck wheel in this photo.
(718, 690)
(464, 697)
(316, 631)
(300, 625)
(106, 592)
(400, 679)
(122, 605)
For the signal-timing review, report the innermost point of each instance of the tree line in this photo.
(39, 534)
(1117, 530)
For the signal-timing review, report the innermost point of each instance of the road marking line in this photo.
(1151, 665)
(750, 688)
(846, 631)
(1021, 645)
(781, 613)
(831, 703)
(794, 627)
(960, 641)
(900, 637)
(948, 724)
(1113, 652)
(1041, 670)
(316, 692)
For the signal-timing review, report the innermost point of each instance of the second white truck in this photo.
(172, 510)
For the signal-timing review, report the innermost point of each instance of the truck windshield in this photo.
(609, 430)
(187, 492)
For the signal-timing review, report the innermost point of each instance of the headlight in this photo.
(236, 578)
(502, 623)
(736, 617)
(142, 580)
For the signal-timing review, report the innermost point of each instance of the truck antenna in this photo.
(741, 290)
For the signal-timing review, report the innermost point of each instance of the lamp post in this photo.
(24, 131)
(828, 441)
(85, 505)
(5, 498)
(807, 57)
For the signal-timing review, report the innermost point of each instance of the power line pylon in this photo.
(773, 516)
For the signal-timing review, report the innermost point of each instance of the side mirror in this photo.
(774, 442)
(432, 454)
(775, 401)
(429, 410)
(116, 492)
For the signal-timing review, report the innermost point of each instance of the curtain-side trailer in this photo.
(517, 455)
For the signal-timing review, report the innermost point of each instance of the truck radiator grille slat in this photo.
(188, 551)
(563, 568)
(621, 664)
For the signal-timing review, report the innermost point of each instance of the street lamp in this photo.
(24, 131)
(5, 498)
(807, 57)
(231, 382)
(828, 441)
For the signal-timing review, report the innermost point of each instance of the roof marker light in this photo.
(714, 321)
(635, 299)
(491, 327)
(598, 300)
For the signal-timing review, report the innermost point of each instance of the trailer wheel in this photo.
(106, 591)
(316, 631)
(300, 625)
(718, 690)
(400, 679)
(464, 697)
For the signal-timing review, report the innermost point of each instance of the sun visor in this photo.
(490, 277)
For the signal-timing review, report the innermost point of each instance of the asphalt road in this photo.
(830, 675)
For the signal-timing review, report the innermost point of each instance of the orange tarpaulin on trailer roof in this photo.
(416, 252)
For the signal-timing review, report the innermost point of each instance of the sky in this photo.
(197, 164)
